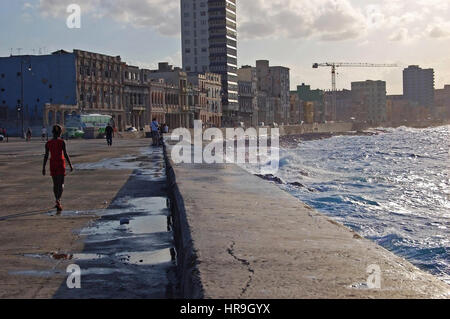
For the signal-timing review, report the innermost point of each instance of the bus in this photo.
(77, 124)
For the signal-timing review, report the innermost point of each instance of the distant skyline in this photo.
(292, 33)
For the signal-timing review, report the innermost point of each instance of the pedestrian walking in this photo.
(109, 131)
(57, 149)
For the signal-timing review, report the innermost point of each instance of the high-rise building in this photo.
(209, 44)
(418, 85)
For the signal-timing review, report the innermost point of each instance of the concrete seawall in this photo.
(188, 274)
(238, 236)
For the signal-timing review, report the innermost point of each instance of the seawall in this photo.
(238, 236)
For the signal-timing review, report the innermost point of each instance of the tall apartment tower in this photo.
(418, 85)
(209, 44)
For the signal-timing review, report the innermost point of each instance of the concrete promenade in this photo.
(30, 233)
(250, 239)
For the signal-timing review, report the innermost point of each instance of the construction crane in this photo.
(335, 65)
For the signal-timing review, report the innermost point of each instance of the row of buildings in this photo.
(44, 89)
(368, 102)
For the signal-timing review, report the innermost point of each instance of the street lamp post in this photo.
(22, 104)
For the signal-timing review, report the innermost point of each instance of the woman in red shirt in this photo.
(57, 148)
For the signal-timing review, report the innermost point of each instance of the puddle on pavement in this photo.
(142, 250)
(147, 258)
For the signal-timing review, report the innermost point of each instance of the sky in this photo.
(291, 33)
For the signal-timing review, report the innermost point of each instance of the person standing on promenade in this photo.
(44, 133)
(29, 134)
(155, 132)
(109, 131)
(57, 149)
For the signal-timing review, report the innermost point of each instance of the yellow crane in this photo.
(335, 65)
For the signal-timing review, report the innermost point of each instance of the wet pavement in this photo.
(128, 251)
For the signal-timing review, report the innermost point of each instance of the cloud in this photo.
(328, 20)
(322, 20)
(162, 15)
(400, 35)
(438, 29)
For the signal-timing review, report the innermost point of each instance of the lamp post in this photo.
(22, 104)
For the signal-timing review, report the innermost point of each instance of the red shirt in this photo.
(57, 159)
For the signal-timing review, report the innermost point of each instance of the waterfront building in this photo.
(135, 97)
(28, 83)
(248, 100)
(209, 99)
(209, 44)
(273, 95)
(99, 79)
(183, 117)
(296, 115)
(343, 110)
(315, 99)
(281, 90)
(442, 103)
(418, 85)
(369, 101)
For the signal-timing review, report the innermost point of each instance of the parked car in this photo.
(1, 138)
(132, 129)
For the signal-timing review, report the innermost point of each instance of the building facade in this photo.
(442, 103)
(296, 115)
(273, 94)
(418, 85)
(314, 99)
(135, 97)
(369, 101)
(343, 110)
(248, 100)
(209, 103)
(100, 85)
(28, 83)
(209, 44)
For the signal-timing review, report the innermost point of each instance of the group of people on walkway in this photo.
(158, 132)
